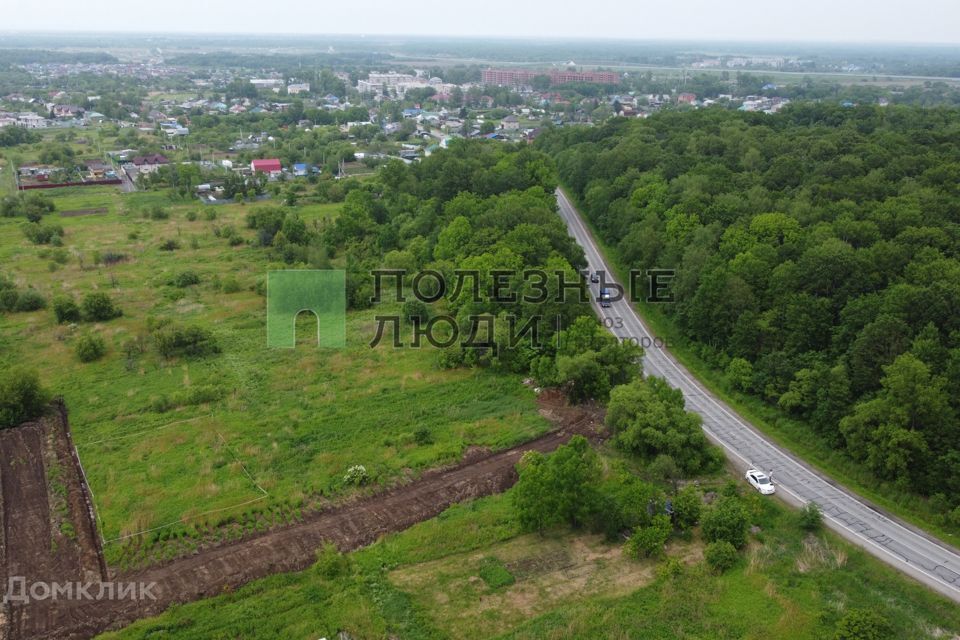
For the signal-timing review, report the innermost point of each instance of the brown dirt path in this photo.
(47, 533)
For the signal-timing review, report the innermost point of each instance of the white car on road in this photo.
(760, 481)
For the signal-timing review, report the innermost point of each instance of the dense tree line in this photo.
(817, 262)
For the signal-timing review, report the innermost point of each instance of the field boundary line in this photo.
(144, 431)
(240, 462)
(182, 520)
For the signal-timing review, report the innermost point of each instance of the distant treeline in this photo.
(221, 59)
(41, 56)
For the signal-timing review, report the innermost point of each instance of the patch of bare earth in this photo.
(549, 572)
(47, 531)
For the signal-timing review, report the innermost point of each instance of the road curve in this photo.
(915, 553)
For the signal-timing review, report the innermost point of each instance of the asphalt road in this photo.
(902, 546)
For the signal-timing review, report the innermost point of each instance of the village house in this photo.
(269, 166)
(66, 111)
(31, 121)
(150, 163)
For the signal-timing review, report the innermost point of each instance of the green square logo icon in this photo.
(322, 292)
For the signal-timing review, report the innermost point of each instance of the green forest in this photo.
(816, 258)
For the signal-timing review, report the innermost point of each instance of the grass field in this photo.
(170, 441)
(471, 573)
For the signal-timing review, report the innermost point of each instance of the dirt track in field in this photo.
(293, 548)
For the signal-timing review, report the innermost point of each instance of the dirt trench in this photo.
(47, 533)
(292, 548)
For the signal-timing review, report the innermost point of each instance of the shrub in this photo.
(134, 347)
(356, 475)
(495, 574)
(43, 233)
(30, 300)
(191, 215)
(162, 404)
(740, 374)
(862, 624)
(665, 468)
(230, 285)
(727, 521)
(33, 206)
(649, 418)
(169, 245)
(201, 394)
(648, 541)
(954, 517)
(156, 212)
(416, 311)
(185, 279)
(8, 299)
(60, 256)
(687, 506)
(65, 309)
(112, 257)
(720, 556)
(561, 488)
(730, 489)
(810, 518)
(99, 307)
(331, 563)
(423, 436)
(21, 396)
(188, 341)
(90, 347)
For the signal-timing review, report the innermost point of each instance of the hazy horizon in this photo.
(924, 22)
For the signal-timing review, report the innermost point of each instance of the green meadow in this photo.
(196, 451)
(470, 573)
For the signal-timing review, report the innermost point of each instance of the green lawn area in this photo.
(471, 573)
(787, 432)
(167, 441)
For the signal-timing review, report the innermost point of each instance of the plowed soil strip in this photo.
(37, 469)
(293, 548)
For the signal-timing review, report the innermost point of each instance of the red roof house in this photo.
(269, 166)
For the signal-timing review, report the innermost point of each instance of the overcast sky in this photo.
(920, 21)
